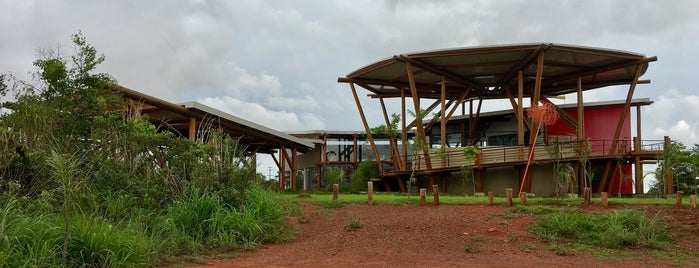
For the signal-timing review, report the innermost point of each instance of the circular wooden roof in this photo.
(490, 72)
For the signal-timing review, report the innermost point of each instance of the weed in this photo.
(472, 244)
(527, 248)
(511, 239)
(353, 223)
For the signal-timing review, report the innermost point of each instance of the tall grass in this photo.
(616, 229)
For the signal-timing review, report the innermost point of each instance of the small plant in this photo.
(527, 248)
(353, 223)
(472, 244)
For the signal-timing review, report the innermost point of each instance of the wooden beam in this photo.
(475, 121)
(517, 70)
(536, 95)
(192, 129)
(366, 128)
(427, 111)
(451, 76)
(393, 144)
(416, 104)
(293, 169)
(611, 67)
(580, 131)
(443, 122)
(520, 110)
(404, 132)
(563, 115)
(625, 112)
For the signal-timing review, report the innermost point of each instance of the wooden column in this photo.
(478, 179)
(580, 133)
(366, 128)
(404, 131)
(282, 167)
(443, 121)
(416, 104)
(625, 112)
(638, 166)
(535, 95)
(639, 146)
(392, 143)
(669, 183)
(192, 129)
(520, 113)
(292, 167)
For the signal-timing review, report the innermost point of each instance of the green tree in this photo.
(365, 170)
(683, 163)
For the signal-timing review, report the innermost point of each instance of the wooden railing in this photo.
(494, 155)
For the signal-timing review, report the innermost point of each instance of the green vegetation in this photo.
(360, 177)
(353, 223)
(86, 183)
(683, 163)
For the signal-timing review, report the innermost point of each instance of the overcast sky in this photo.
(277, 62)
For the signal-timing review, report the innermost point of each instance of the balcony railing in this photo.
(498, 155)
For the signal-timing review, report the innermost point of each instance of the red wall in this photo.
(600, 125)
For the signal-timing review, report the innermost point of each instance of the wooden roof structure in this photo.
(538, 71)
(187, 118)
(488, 72)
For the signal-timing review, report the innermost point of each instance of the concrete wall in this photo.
(497, 179)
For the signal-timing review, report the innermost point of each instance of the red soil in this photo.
(446, 236)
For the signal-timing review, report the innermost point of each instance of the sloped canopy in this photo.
(490, 71)
(179, 117)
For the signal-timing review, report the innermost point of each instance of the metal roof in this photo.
(489, 71)
(176, 117)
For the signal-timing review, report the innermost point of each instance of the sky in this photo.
(276, 63)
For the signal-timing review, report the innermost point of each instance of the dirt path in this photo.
(433, 236)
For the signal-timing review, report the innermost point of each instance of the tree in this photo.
(684, 166)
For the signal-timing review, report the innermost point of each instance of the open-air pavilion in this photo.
(465, 77)
(194, 120)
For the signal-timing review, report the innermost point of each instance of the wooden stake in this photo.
(586, 196)
(678, 200)
(523, 198)
(508, 193)
(370, 192)
(693, 201)
(435, 192)
(605, 201)
(336, 187)
(423, 196)
(490, 198)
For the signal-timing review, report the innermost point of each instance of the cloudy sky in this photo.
(277, 62)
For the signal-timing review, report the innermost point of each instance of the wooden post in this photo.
(508, 194)
(605, 201)
(693, 201)
(586, 196)
(435, 192)
(523, 198)
(423, 194)
(678, 200)
(370, 192)
(335, 189)
(490, 198)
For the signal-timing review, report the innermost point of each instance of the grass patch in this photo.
(617, 229)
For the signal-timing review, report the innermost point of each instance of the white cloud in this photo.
(279, 120)
(675, 115)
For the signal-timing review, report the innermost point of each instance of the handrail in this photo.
(569, 149)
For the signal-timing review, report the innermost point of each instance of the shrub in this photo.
(365, 170)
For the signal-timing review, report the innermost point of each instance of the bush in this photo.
(365, 170)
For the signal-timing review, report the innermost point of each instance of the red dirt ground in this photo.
(446, 236)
